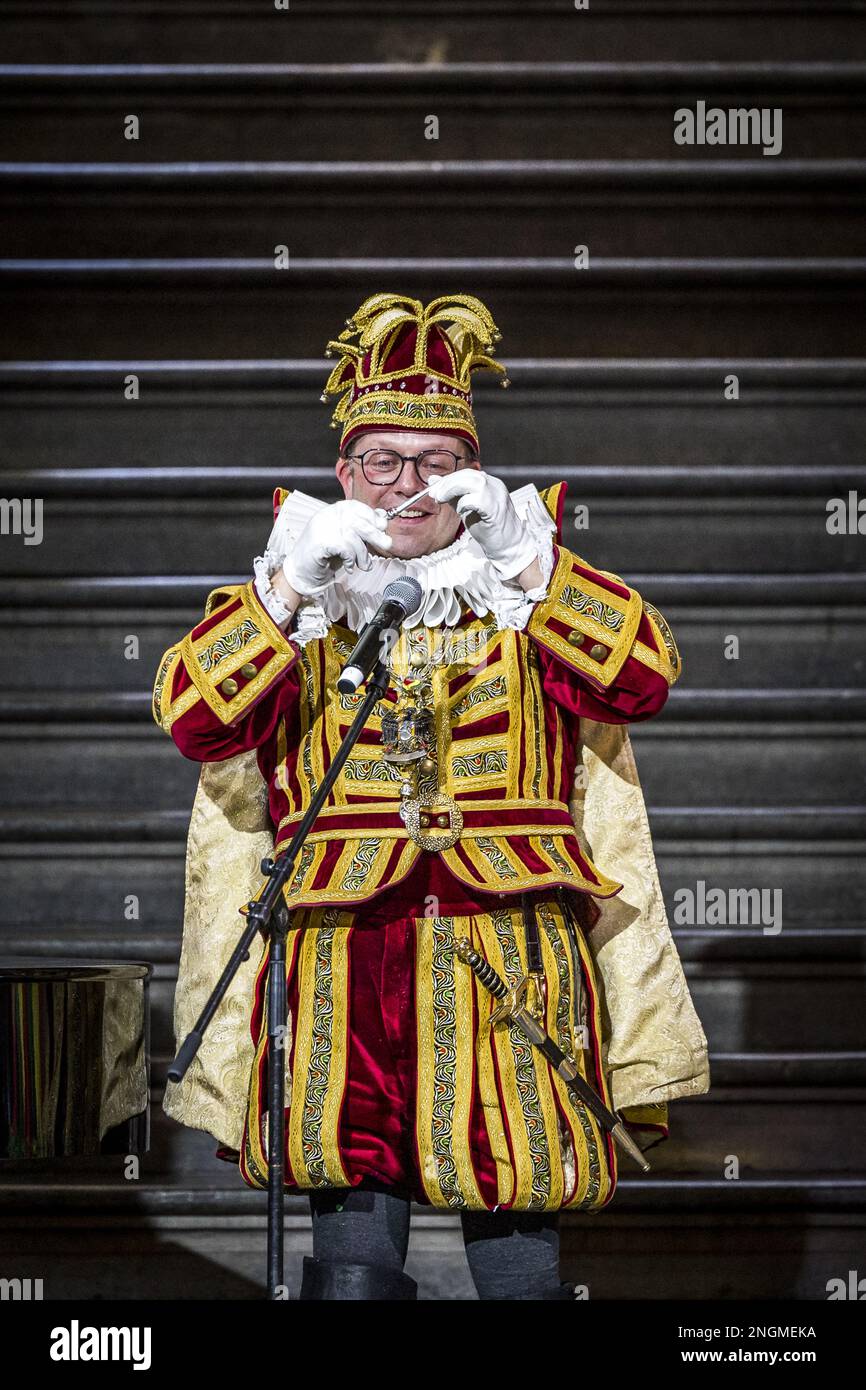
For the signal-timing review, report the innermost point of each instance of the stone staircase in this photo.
(155, 258)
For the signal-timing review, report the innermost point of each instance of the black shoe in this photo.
(564, 1291)
(556, 1292)
(335, 1279)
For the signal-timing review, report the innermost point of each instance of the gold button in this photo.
(575, 638)
(443, 821)
(424, 821)
(428, 765)
(249, 670)
(418, 659)
(229, 686)
(597, 651)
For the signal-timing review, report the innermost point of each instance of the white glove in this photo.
(340, 535)
(488, 512)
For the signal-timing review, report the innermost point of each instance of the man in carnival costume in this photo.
(491, 796)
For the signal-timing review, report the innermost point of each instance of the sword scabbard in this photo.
(512, 1008)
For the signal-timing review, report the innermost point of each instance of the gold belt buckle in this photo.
(434, 821)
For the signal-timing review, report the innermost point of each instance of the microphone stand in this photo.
(269, 914)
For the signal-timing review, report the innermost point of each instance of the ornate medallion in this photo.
(433, 821)
(409, 743)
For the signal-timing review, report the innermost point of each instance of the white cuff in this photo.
(310, 622)
(515, 612)
(264, 566)
(545, 560)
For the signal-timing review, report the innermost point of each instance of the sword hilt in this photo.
(482, 968)
(512, 1006)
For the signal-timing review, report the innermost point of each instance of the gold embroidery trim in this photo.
(609, 1169)
(528, 804)
(524, 1077)
(321, 1031)
(268, 635)
(548, 919)
(184, 701)
(361, 889)
(496, 830)
(516, 875)
(444, 1019)
(162, 684)
(165, 710)
(619, 642)
(670, 661)
(550, 497)
(592, 1185)
(387, 407)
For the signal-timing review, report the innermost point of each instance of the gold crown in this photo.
(455, 335)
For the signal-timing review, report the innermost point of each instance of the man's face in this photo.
(426, 527)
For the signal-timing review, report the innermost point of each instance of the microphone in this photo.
(401, 597)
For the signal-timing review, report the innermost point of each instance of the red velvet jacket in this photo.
(508, 709)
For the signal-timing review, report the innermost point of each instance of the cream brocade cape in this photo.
(653, 1046)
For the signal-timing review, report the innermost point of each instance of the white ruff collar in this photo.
(459, 570)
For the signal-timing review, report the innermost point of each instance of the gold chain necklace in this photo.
(409, 740)
(421, 662)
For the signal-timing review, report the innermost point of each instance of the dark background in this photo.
(154, 257)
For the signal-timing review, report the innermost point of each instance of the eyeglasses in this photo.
(385, 465)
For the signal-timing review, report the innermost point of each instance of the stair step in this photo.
(617, 307)
(135, 766)
(77, 650)
(709, 206)
(770, 1129)
(378, 110)
(405, 30)
(677, 530)
(762, 1077)
(802, 1193)
(651, 482)
(90, 927)
(764, 1019)
(617, 1255)
(822, 883)
(740, 825)
(144, 593)
(222, 426)
(687, 703)
(778, 1131)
